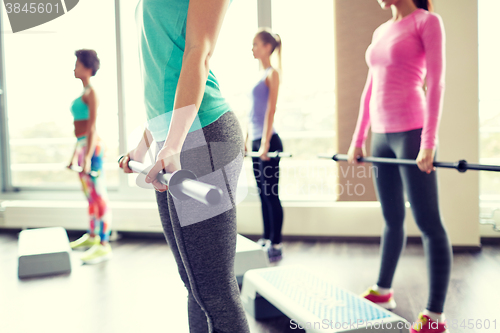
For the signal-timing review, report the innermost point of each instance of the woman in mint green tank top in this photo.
(88, 155)
(194, 129)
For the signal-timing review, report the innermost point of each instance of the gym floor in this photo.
(139, 290)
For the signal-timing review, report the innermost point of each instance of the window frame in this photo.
(122, 191)
(5, 174)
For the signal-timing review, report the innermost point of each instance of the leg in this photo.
(208, 251)
(270, 175)
(207, 248)
(390, 194)
(100, 195)
(258, 173)
(87, 187)
(87, 184)
(87, 240)
(423, 196)
(197, 318)
(98, 210)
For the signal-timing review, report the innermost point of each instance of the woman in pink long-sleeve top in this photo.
(405, 56)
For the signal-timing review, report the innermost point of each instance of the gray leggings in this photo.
(203, 240)
(422, 193)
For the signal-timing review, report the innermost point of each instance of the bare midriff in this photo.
(80, 128)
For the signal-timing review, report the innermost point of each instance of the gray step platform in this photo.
(249, 255)
(313, 303)
(44, 251)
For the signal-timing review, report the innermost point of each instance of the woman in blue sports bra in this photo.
(88, 155)
(264, 139)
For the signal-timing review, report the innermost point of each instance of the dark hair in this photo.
(424, 4)
(89, 59)
(268, 37)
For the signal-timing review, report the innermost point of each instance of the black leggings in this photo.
(267, 176)
(422, 193)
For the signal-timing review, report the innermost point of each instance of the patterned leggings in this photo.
(95, 190)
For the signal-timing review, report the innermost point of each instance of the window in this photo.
(489, 99)
(235, 68)
(305, 118)
(40, 87)
(133, 89)
(305, 111)
(232, 62)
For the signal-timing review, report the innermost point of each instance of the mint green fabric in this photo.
(79, 109)
(161, 26)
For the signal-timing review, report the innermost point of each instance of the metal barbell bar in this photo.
(274, 154)
(79, 169)
(461, 165)
(183, 184)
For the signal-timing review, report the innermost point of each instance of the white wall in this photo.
(459, 130)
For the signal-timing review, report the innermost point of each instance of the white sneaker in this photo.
(264, 242)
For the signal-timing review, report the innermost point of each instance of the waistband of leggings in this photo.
(82, 141)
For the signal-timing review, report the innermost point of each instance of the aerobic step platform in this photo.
(313, 303)
(249, 255)
(44, 251)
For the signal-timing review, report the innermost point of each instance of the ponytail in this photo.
(424, 4)
(268, 37)
(278, 49)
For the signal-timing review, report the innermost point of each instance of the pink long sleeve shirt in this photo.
(401, 56)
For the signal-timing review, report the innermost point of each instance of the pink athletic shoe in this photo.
(385, 301)
(425, 324)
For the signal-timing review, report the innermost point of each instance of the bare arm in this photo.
(145, 143)
(246, 140)
(138, 153)
(274, 82)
